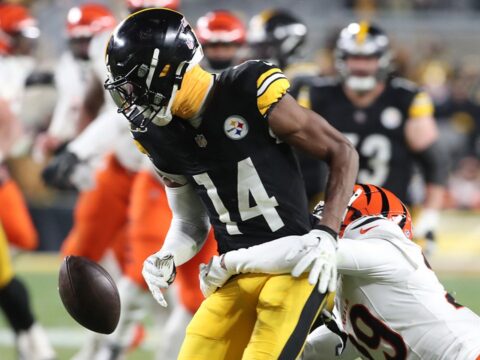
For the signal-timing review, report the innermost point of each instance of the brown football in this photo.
(89, 294)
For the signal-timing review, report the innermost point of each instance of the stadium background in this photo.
(437, 44)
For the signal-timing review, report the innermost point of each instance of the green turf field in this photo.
(39, 272)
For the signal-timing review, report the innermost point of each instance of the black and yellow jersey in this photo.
(248, 179)
(377, 131)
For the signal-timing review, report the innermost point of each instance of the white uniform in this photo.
(71, 77)
(392, 305)
(14, 71)
(109, 131)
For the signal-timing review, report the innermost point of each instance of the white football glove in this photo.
(425, 227)
(159, 273)
(213, 276)
(319, 255)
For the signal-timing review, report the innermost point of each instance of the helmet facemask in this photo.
(146, 92)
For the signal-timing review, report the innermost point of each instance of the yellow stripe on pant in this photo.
(6, 270)
(254, 317)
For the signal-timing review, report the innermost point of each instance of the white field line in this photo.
(67, 337)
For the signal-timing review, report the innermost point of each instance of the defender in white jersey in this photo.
(390, 303)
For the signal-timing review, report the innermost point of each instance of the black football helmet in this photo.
(276, 35)
(363, 39)
(147, 57)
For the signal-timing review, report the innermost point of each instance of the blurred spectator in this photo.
(459, 115)
(464, 185)
(221, 34)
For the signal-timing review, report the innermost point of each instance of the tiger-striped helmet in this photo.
(371, 200)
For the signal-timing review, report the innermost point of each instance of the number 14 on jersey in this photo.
(248, 183)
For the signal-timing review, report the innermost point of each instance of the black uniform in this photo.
(248, 180)
(377, 131)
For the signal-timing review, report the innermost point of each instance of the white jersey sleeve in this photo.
(109, 132)
(71, 78)
(394, 306)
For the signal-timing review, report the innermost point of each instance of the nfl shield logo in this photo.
(201, 141)
(235, 127)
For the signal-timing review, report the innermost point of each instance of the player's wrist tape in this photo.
(327, 229)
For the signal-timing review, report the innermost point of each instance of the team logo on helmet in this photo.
(235, 127)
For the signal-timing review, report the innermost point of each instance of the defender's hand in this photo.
(320, 257)
(213, 276)
(425, 228)
(159, 273)
(57, 173)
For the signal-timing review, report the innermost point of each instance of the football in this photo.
(89, 294)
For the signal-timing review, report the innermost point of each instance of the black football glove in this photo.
(57, 172)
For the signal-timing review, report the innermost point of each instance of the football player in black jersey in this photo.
(222, 145)
(388, 119)
(276, 35)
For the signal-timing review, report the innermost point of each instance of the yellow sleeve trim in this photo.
(272, 94)
(265, 75)
(140, 147)
(271, 86)
(303, 97)
(421, 106)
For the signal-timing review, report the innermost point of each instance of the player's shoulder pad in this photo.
(325, 81)
(251, 72)
(399, 83)
(258, 79)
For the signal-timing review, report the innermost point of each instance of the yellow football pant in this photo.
(6, 270)
(254, 317)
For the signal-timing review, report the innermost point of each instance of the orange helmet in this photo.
(15, 20)
(368, 200)
(135, 5)
(220, 26)
(86, 20)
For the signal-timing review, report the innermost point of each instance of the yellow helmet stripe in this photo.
(362, 32)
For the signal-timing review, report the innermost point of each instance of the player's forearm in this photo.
(343, 164)
(190, 224)
(184, 240)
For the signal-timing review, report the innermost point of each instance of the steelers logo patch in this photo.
(391, 118)
(235, 127)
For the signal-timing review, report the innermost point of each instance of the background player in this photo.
(389, 120)
(18, 31)
(385, 282)
(166, 112)
(276, 35)
(72, 76)
(222, 34)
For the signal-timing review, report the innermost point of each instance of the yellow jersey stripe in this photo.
(269, 81)
(273, 92)
(265, 75)
(303, 97)
(421, 106)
